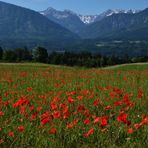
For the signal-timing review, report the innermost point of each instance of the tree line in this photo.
(85, 59)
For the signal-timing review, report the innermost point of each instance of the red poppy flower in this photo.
(56, 114)
(1, 113)
(138, 125)
(29, 88)
(44, 121)
(45, 115)
(65, 109)
(21, 128)
(97, 120)
(145, 120)
(87, 121)
(96, 103)
(1, 141)
(104, 120)
(33, 116)
(80, 108)
(31, 108)
(11, 134)
(130, 131)
(53, 106)
(70, 99)
(66, 115)
(72, 124)
(53, 131)
(140, 93)
(39, 108)
(107, 107)
(20, 102)
(117, 103)
(122, 117)
(90, 132)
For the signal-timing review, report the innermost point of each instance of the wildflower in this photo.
(31, 108)
(97, 120)
(1, 141)
(44, 121)
(94, 116)
(96, 102)
(117, 103)
(72, 124)
(45, 115)
(140, 94)
(87, 121)
(39, 108)
(122, 117)
(145, 120)
(29, 88)
(107, 107)
(126, 97)
(65, 109)
(80, 97)
(53, 106)
(138, 125)
(53, 131)
(80, 108)
(33, 116)
(6, 94)
(130, 131)
(56, 114)
(11, 134)
(20, 102)
(90, 132)
(1, 113)
(20, 128)
(66, 115)
(70, 99)
(104, 120)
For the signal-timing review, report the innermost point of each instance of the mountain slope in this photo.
(66, 18)
(20, 26)
(117, 25)
(105, 25)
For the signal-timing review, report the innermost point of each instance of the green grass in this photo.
(134, 66)
(30, 93)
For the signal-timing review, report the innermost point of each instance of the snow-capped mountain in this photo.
(88, 19)
(66, 18)
(56, 13)
(110, 12)
(122, 24)
(77, 22)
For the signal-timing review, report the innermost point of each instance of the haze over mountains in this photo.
(55, 29)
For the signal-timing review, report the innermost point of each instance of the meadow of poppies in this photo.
(61, 107)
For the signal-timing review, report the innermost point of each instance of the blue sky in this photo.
(81, 6)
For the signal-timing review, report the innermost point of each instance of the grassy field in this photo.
(43, 106)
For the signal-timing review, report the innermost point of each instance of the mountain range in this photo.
(115, 24)
(120, 26)
(56, 29)
(77, 22)
(20, 26)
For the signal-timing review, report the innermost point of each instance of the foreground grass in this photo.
(55, 106)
